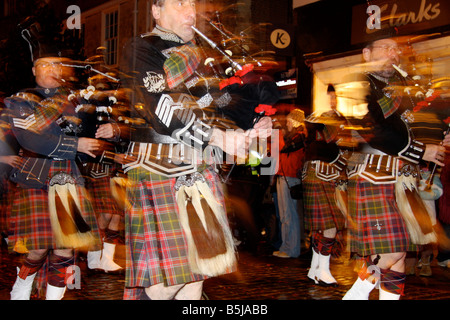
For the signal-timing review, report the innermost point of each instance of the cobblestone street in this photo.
(260, 276)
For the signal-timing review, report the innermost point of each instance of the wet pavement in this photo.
(260, 276)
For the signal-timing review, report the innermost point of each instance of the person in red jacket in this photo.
(290, 162)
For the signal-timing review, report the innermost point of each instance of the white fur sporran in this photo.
(69, 228)
(203, 219)
(416, 214)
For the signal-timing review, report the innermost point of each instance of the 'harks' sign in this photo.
(409, 16)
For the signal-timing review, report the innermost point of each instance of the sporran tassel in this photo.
(341, 198)
(69, 228)
(203, 219)
(414, 212)
(118, 186)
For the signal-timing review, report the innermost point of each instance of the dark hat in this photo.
(39, 45)
(385, 32)
(46, 50)
(330, 88)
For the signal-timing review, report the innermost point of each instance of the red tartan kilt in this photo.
(6, 199)
(30, 217)
(102, 199)
(375, 223)
(320, 209)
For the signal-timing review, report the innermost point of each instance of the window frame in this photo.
(111, 43)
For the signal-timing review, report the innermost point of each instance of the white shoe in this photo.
(323, 274)
(444, 264)
(360, 290)
(93, 259)
(54, 293)
(314, 267)
(21, 289)
(107, 261)
(386, 295)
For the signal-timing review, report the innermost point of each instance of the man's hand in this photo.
(13, 161)
(88, 146)
(120, 158)
(262, 129)
(446, 141)
(434, 153)
(105, 131)
(233, 142)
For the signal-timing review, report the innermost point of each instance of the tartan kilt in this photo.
(157, 250)
(30, 216)
(320, 209)
(102, 199)
(375, 223)
(6, 198)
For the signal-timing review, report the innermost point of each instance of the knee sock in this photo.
(393, 281)
(30, 267)
(111, 236)
(322, 244)
(369, 269)
(57, 272)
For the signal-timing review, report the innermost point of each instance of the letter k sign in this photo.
(280, 38)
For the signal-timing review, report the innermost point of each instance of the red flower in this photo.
(266, 108)
(230, 81)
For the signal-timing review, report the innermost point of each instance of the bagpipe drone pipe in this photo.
(245, 95)
(101, 101)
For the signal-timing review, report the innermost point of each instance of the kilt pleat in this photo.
(30, 217)
(320, 208)
(102, 198)
(375, 223)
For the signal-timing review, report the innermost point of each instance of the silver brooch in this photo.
(189, 180)
(62, 178)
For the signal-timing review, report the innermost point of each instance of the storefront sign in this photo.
(281, 39)
(408, 16)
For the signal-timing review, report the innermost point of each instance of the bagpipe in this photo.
(424, 99)
(100, 100)
(250, 93)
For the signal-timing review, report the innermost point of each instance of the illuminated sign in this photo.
(409, 16)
